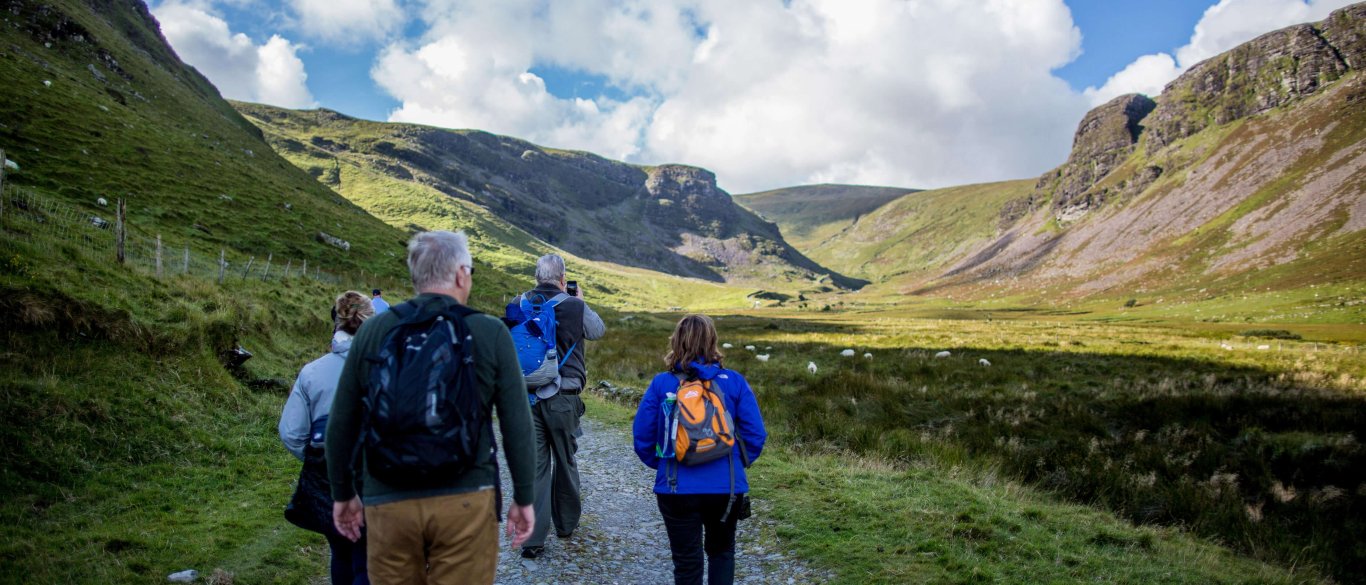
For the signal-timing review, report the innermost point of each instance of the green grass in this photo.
(131, 451)
(1158, 424)
(872, 520)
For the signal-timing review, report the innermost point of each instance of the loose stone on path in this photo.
(621, 538)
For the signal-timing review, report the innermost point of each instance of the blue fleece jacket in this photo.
(711, 477)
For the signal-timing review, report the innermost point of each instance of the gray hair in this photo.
(549, 269)
(434, 258)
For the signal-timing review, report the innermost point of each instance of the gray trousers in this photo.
(557, 471)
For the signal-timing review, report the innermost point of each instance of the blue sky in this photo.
(916, 93)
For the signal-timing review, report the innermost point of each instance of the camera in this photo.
(572, 287)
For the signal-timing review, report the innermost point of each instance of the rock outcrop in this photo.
(689, 196)
(1105, 137)
(1269, 71)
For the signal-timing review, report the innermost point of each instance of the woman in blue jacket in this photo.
(700, 503)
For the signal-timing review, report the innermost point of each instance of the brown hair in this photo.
(693, 340)
(353, 308)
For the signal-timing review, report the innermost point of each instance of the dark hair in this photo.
(352, 309)
(375, 292)
(694, 339)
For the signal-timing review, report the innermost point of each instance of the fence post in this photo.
(2, 183)
(247, 270)
(158, 255)
(266, 274)
(304, 272)
(222, 264)
(185, 267)
(122, 230)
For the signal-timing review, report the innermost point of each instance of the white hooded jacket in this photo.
(311, 398)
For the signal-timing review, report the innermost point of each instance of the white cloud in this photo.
(1223, 26)
(346, 21)
(270, 73)
(925, 93)
(1146, 75)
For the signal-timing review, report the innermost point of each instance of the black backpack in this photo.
(423, 409)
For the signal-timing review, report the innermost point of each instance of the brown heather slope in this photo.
(1251, 160)
(1248, 172)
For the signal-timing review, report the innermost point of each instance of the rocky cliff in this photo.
(1274, 70)
(1271, 71)
(1104, 139)
(1250, 160)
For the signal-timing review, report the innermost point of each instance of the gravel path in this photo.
(621, 538)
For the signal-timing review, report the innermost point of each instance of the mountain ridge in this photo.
(677, 220)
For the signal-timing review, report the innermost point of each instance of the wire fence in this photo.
(51, 226)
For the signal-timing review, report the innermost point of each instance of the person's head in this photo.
(550, 270)
(350, 310)
(440, 262)
(693, 340)
(374, 293)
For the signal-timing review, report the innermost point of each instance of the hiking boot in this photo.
(533, 552)
(564, 534)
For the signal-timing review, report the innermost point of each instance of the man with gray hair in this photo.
(423, 526)
(558, 407)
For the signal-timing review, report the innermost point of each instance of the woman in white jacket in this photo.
(301, 429)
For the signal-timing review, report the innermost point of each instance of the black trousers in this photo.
(694, 525)
(348, 561)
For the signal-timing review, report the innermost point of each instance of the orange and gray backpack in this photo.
(701, 430)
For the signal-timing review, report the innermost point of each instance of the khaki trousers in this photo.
(442, 540)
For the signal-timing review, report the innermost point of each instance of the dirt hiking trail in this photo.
(621, 539)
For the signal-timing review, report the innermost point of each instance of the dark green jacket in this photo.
(500, 382)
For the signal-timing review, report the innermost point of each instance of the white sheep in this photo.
(767, 347)
(763, 357)
(11, 165)
(1264, 347)
(726, 346)
(941, 355)
(47, 83)
(102, 202)
(1226, 346)
(811, 367)
(749, 348)
(984, 363)
(847, 353)
(867, 356)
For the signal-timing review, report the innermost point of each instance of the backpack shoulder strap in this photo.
(557, 299)
(406, 310)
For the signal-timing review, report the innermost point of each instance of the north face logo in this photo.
(691, 394)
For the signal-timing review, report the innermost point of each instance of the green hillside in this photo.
(676, 219)
(418, 205)
(810, 214)
(132, 451)
(95, 104)
(919, 234)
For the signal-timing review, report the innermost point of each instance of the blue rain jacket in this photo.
(711, 477)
